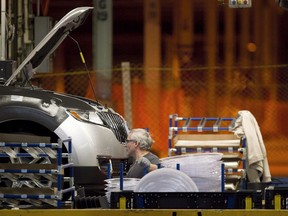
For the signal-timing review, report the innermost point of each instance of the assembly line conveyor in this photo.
(32, 174)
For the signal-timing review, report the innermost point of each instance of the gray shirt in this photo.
(136, 171)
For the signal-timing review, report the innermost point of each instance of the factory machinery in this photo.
(190, 135)
(39, 184)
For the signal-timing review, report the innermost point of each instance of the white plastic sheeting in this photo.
(203, 168)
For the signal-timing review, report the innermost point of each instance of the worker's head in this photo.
(138, 139)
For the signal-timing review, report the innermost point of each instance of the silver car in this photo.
(97, 132)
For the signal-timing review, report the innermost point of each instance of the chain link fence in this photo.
(194, 92)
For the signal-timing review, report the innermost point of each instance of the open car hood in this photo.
(50, 42)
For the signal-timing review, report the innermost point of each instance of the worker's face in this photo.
(131, 146)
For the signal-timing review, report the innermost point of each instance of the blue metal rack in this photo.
(204, 126)
(23, 171)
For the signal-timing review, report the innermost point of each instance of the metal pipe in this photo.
(9, 46)
(38, 7)
(3, 30)
(26, 23)
(126, 82)
(19, 29)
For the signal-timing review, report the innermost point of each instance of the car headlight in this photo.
(86, 116)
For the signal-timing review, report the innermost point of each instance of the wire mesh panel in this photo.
(236, 88)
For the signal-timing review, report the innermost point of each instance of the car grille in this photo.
(116, 124)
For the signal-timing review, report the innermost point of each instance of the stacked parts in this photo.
(209, 135)
(203, 168)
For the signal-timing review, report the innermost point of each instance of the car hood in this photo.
(50, 42)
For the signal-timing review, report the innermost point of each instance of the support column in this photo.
(257, 36)
(243, 77)
(3, 31)
(245, 38)
(229, 44)
(268, 32)
(268, 76)
(102, 48)
(183, 31)
(211, 52)
(152, 46)
(152, 65)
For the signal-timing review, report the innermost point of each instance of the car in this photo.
(97, 132)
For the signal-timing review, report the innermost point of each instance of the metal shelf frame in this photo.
(57, 170)
(211, 125)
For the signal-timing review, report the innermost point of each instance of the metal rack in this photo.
(189, 135)
(35, 183)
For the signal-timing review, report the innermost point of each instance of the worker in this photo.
(138, 145)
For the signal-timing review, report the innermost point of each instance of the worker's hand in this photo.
(143, 162)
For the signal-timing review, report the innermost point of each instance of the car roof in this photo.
(51, 41)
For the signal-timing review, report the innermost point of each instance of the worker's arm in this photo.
(145, 163)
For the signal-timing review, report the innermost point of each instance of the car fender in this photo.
(90, 141)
